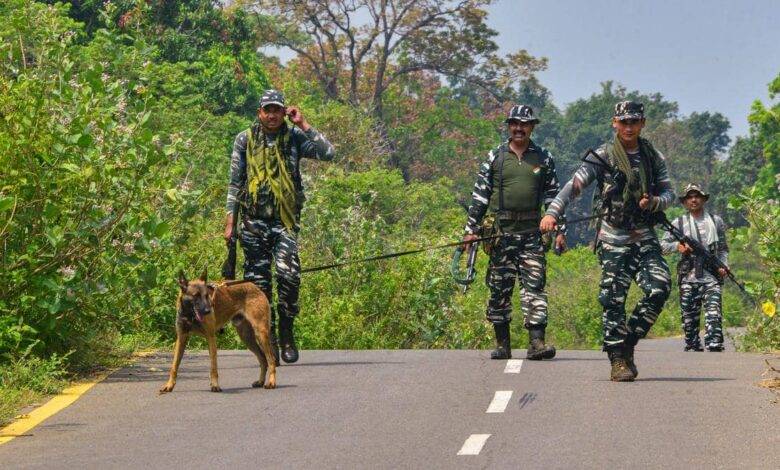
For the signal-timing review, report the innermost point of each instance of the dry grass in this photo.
(772, 383)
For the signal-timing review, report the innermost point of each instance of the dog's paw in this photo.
(257, 384)
(270, 385)
(216, 388)
(166, 389)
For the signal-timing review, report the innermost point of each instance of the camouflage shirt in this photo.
(308, 144)
(710, 231)
(485, 186)
(592, 170)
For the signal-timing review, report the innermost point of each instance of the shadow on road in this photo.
(345, 363)
(557, 359)
(685, 379)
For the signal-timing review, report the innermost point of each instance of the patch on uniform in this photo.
(537, 170)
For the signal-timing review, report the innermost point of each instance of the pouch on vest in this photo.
(490, 228)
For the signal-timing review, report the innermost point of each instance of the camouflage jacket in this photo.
(309, 144)
(709, 227)
(484, 186)
(614, 230)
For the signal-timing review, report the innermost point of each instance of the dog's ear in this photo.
(182, 280)
(205, 276)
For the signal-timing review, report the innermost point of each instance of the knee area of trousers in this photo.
(289, 278)
(659, 293)
(609, 300)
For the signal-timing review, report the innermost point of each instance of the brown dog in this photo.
(203, 309)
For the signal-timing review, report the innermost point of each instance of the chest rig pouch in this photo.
(626, 215)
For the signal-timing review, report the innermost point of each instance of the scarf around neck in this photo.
(633, 188)
(267, 167)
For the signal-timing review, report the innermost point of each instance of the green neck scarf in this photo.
(633, 189)
(266, 166)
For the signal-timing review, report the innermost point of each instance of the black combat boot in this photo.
(537, 350)
(620, 371)
(287, 340)
(631, 341)
(504, 349)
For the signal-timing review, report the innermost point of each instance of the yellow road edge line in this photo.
(59, 402)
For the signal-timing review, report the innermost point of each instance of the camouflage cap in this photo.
(629, 110)
(271, 97)
(693, 188)
(522, 113)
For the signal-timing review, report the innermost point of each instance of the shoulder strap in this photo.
(499, 160)
(714, 224)
(540, 187)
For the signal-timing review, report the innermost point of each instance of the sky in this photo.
(706, 55)
(714, 55)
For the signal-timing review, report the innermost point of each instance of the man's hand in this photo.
(723, 272)
(467, 239)
(647, 203)
(548, 224)
(684, 249)
(296, 117)
(560, 243)
(228, 228)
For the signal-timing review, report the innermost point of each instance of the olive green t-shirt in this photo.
(521, 180)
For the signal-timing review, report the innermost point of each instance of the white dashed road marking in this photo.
(513, 366)
(473, 444)
(500, 401)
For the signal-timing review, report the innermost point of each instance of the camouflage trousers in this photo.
(518, 256)
(694, 295)
(643, 263)
(265, 242)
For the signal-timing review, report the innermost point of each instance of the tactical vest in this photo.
(609, 195)
(497, 165)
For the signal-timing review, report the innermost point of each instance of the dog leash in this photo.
(438, 247)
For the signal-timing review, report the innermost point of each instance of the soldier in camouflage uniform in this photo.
(513, 182)
(633, 182)
(700, 284)
(265, 183)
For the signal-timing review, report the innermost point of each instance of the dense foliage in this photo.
(116, 124)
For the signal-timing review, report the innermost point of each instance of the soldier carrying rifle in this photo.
(700, 279)
(633, 184)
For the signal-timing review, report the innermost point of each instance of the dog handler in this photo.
(513, 183)
(265, 182)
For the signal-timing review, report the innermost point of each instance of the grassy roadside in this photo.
(27, 382)
(30, 380)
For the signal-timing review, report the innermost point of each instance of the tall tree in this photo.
(358, 49)
(709, 133)
(765, 127)
(734, 176)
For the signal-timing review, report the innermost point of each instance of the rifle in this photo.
(471, 271)
(229, 266)
(698, 249)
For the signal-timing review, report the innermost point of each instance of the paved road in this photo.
(419, 409)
